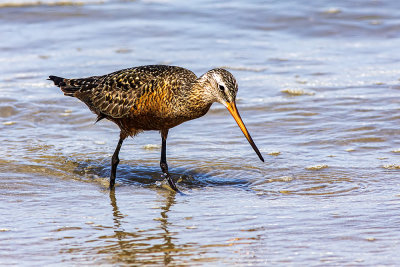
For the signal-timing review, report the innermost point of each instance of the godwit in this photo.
(154, 97)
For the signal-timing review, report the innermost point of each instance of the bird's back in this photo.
(146, 97)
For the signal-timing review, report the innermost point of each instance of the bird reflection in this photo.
(169, 201)
(131, 245)
(117, 215)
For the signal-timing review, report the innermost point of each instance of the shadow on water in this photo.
(329, 180)
(335, 181)
(152, 176)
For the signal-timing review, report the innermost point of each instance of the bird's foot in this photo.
(171, 182)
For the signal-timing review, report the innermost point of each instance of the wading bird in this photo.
(154, 97)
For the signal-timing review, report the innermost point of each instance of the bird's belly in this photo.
(134, 124)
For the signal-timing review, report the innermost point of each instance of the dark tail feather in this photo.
(65, 85)
(58, 81)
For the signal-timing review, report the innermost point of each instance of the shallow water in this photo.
(318, 90)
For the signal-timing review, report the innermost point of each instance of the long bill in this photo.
(231, 106)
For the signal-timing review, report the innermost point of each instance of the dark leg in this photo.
(163, 161)
(114, 162)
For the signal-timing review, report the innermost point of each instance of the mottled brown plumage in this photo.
(154, 97)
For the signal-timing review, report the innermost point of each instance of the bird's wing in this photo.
(140, 90)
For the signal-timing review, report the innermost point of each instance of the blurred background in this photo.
(318, 90)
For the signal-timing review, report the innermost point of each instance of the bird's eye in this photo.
(221, 87)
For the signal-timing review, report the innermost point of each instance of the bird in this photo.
(154, 97)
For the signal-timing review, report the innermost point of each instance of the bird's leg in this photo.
(115, 161)
(163, 161)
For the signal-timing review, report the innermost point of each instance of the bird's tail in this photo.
(68, 86)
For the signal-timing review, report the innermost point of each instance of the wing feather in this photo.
(140, 90)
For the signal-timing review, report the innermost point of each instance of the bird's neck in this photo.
(201, 93)
(196, 101)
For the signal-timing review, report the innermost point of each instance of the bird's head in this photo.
(221, 86)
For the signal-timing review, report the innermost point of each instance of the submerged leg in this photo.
(163, 161)
(115, 161)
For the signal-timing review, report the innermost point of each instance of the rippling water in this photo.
(318, 89)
